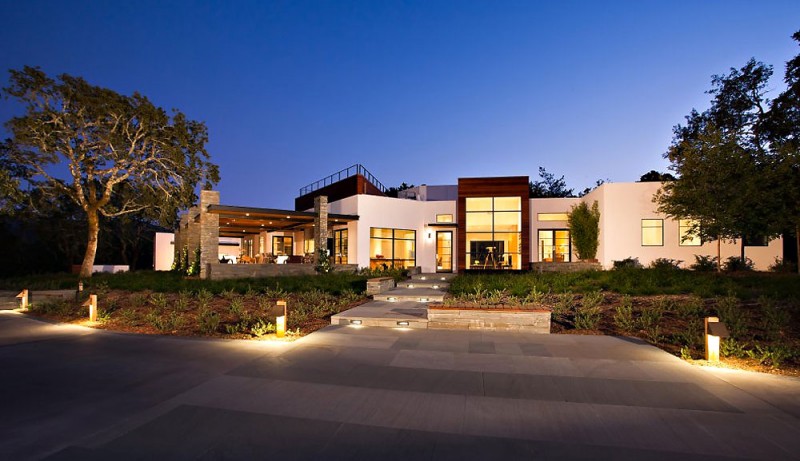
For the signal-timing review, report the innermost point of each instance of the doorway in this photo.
(444, 251)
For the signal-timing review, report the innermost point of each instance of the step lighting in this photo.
(355, 322)
(402, 323)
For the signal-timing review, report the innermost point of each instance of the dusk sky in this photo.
(421, 92)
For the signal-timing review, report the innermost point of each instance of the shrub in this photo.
(628, 263)
(584, 229)
(623, 317)
(736, 264)
(781, 265)
(666, 264)
(704, 263)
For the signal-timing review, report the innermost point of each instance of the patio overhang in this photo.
(238, 221)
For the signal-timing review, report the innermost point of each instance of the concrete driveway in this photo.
(346, 393)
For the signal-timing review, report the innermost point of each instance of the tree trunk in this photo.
(91, 245)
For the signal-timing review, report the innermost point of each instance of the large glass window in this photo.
(340, 246)
(685, 236)
(494, 233)
(392, 248)
(652, 232)
(282, 245)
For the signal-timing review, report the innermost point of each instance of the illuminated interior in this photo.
(493, 233)
(390, 248)
(554, 245)
(652, 232)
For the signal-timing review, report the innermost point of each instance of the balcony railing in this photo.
(343, 174)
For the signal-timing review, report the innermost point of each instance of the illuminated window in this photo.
(444, 218)
(685, 236)
(282, 245)
(340, 246)
(552, 217)
(652, 232)
(493, 232)
(392, 248)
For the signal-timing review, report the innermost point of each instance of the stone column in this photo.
(320, 225)
(208, 232)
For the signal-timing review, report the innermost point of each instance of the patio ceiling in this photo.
(236, 221)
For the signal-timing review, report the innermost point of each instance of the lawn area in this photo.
(665, 307)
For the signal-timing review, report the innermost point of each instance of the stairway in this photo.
(405, 306)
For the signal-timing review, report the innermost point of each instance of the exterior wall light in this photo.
(92, 303)
(714, 331)
(280, 321)
(23, 297)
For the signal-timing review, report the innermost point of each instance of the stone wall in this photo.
(379, 284)
(578, 266)
(239, 271)
(531, 321)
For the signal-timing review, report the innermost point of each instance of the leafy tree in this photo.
(783, 125)
(549, 186)
(721, 157)
(656, 176)
(584, 228)
(106, 140)
(393, 191)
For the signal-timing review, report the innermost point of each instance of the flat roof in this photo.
(236, 221)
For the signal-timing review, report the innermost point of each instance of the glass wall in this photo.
(340, 246)
(493, 233)
(392, 248)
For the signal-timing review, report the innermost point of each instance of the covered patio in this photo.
(273, 241)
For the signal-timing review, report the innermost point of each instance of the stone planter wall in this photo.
(379, 284)
(456, 318)
(578, 266)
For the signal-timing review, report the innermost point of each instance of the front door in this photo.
(444, 251)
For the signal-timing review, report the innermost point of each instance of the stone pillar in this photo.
(208, 232)
(320, 225)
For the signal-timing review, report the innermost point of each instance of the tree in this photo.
(584, 229)
(656, 176)
(783, 126)
(106, 141)
(549, 186)
(725, 174)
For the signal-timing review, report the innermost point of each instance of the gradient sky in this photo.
(417, 91)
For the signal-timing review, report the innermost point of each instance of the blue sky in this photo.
(421, 92)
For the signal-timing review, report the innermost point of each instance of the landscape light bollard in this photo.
(23, 299)
(280, 321)
(92, 303)
(714, 331)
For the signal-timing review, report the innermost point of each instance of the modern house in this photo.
(476, 224)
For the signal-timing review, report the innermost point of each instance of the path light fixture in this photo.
(92, 303)
(23, 299)
(714, 331)
(280, 321)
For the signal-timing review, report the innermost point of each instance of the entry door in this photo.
(444, 251)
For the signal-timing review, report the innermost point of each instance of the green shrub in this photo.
(736, 264)
(628, 263)
(623, 316)
(704, 263)
(584, 229)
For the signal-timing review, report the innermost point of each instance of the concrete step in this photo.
(408, 314)
(446, 277)
(419, 295)
(432, 284)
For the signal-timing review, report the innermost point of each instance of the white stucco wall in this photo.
(622, 208)
(395, 213)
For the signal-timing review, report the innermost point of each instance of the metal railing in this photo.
(343, 174)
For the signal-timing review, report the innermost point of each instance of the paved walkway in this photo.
(369, 393)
